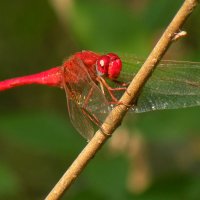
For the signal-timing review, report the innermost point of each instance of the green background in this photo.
(153, 156)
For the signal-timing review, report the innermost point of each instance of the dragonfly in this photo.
(94, 84)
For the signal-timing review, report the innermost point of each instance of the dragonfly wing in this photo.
(86, 102)
(173, 84)
(81, 122)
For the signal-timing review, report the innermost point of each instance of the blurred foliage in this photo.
(37, 141)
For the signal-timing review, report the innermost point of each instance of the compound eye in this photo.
(102, 65)
(115, 66)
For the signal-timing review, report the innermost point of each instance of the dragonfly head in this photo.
(109, 65)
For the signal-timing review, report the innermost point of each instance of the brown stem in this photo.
(118, 113)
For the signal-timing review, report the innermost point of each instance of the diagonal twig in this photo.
(130, 96)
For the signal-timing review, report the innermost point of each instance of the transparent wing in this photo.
(174, 84)
(87, 105)
(81, 122)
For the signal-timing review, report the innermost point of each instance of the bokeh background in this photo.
(152, 156)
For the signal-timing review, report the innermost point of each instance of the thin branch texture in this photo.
(128, 98)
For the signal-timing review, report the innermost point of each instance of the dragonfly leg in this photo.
(95, 120)
(110, 90)
(123, 84)
(89, 95)
(86, 111)
(92, 117)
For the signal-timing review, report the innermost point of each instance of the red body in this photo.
(53, 76)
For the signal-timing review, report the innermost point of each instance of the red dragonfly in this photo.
(80, 76)
(94, 83)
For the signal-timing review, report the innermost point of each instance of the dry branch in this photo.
(118, 113)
